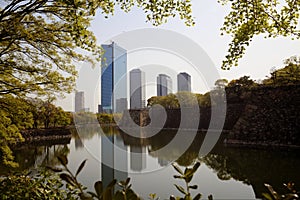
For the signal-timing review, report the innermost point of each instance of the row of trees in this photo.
(288, 75)
(18, 114)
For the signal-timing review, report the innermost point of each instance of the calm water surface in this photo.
(227, 172)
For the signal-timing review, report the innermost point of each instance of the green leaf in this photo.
(130, 194)
(193, 187)
(63, 159)
(177, 168)
(120, 195)
(197, 197)
(85, 196)
(80, 167)
(196, 166)
(67, 178)
(127, 181)
(107, 194)
(112, 184)
(98, 188)
(180, 189)
(176, 176)
(267, 196)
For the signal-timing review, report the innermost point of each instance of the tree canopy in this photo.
(271, 18)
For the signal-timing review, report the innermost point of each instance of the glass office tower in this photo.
(183, 82)
(113, 77)
(164, 85)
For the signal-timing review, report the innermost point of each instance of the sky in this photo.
(262, 54)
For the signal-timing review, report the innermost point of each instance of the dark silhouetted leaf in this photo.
(177, 169)
(193, 187)
(210, 197)
(80, 167)
(67, 178)
(98, 188)
(180, 189)
(130, 194)
(197, 197)
(85, 196)
(176, 176)
(63, 159)
(119, 195)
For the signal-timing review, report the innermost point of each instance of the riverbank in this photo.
(37, 135)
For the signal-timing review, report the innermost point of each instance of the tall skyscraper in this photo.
(183, 82)
(79, 101)
(164, 85)
(113, 76)
(137, 89)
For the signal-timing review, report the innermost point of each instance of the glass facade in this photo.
(164, 85)
(113, 76)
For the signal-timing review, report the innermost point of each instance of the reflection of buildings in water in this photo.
(137, 158)
(114, 159)
(162, 162)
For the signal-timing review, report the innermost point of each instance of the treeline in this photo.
(98, 118)
(288, 75)
(19, 113)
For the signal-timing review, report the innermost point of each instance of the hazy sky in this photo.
(261, 55)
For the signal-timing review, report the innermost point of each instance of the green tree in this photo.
(221, 83)
(246, 19)
(41, 40)
(244, 81)
(290, 74)
(169, 101)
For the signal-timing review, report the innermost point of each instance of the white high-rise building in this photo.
(183, 82)
(137, 89)
(79, 101)
(164, 85)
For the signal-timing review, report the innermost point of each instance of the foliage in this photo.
(246, 19)
(244, 81)
(41, 186)
(187, 176)
(290, 74)
(40, 42)
(105, 118)
(38, 39)
(169, 101)
(100, 193)
(18, 114)
(292, 195)
(221, 83)
(48, 115)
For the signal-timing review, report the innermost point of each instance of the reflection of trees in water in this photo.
(222, 166)
(256, 166)
(250, 166)
(88, 131)
(32, 157)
